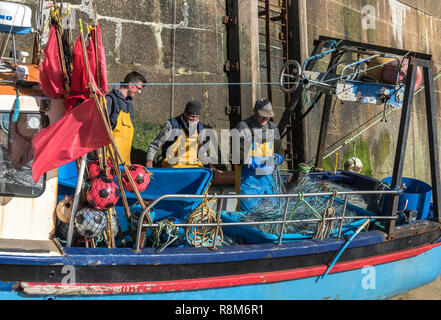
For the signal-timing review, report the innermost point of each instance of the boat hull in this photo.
(371, 268)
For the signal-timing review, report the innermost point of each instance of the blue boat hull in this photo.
(379, 282)
(250, 272)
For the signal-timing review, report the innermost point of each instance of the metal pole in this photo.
(402, 142)
(303, 30)
(284, 221)
(345, 246)
(268, 48)
(76, 199)
(172, 104)
(218, 223)
(433, 141)
(343, 215)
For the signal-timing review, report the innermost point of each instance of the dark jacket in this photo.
(116, 103)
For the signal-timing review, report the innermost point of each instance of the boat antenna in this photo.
(39, 23)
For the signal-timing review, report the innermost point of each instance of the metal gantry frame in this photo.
(416, 60)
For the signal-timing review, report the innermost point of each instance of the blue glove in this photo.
(278, 158)
(262, 165)
(258, 162)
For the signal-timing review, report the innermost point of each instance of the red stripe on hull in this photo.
(215, 282)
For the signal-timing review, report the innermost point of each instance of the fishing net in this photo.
(305, 208)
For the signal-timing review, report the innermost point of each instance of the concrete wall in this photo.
(181, 41)
(408, 25)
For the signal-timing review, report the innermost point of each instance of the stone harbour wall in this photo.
(180, 41)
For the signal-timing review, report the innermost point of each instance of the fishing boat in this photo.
(389, 247)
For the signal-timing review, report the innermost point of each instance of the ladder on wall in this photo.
(274, 52)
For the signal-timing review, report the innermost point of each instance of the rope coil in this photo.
(203, 236)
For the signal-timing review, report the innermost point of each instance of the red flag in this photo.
(79, 85)
(51, 72)
(95, 51)
(75, 134)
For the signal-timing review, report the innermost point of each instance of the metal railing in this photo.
(272, 196)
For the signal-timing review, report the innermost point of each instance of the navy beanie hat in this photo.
(193, 107)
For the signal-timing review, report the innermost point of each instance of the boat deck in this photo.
(29, 247)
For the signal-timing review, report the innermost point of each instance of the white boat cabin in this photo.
(27, 217)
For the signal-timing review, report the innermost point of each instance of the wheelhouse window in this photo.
(16, 154)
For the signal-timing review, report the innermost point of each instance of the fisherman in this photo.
(179, 141)
(120, 109)
(260, 152)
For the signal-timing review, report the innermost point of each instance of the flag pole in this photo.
(76, 199)
(109, 131)
(102, 152)
(58, 29)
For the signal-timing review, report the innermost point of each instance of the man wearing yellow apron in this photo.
(260, 152)
(120, 109)
(179, 140)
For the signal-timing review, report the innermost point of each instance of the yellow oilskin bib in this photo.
(265, 149)
(183, 153)
(123, 135)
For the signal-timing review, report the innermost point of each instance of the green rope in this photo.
(168, 227)
(301, 198)
(304, 168)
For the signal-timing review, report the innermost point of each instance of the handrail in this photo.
(247, 196)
